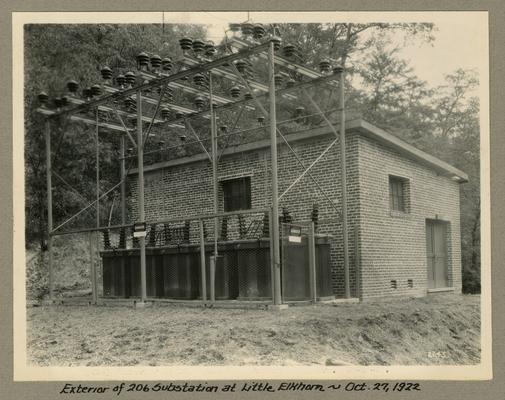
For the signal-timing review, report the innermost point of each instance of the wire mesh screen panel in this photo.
(179, 272)
(172, 261)
(243, 266)
(176, 251)
(306, 273)
(323, 267)
(254, 275)
(295, 262)
(226, 272)
(120, 259)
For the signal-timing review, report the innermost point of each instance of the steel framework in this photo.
(223, 67)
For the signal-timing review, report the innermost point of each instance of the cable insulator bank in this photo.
(258, 31)
(96, 90)
(198, 46)
(167, 64)
(324, 66)
(87, 93)
(247, 29)
(142, 61)
(165, 113)
(235, 92)
(72, 86)
(155, 62)
(186, 44)
(241, 66)
(120, 80)
(199, 102)
(289, 50)
(210, 50)
(106, 73)
(277, 41)
(199, 79)
(130, 78)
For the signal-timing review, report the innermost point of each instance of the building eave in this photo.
(357, 125)
(369, 130)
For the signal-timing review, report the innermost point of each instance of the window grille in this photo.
(237, 194)
(397, 194)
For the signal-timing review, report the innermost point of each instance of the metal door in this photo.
(436, 252)
(295, 262)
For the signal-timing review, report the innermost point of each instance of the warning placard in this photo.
(295, 234)
(139, 229)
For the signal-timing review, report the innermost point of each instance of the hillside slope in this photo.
(71, 255)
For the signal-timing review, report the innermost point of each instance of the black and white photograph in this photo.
(302, 192)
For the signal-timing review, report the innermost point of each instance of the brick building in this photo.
(403, 204)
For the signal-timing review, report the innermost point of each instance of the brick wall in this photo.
(390, 247)
(186, 190)
(393, 244)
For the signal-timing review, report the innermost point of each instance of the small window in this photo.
(394, 284)
(237, 194)
(410, 283)
(397, 199)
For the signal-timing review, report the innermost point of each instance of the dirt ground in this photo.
(439, 329)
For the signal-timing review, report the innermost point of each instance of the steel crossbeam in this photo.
(127, 132)
(288, 64)
(267, 115)
(153, 101)
(247, 86)
(75, 100)
(222, 72)
(189, 89)
(191, 129)
(165, 79)
(88, 121)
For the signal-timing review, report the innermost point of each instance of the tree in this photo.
(340, 41)
(344, 44)
(464, 154)
(451, 107)
(53, 55)
(443, 121)
(393, 97)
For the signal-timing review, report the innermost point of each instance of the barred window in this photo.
(237, 194)
(397, 194)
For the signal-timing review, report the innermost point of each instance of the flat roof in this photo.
(357, 125)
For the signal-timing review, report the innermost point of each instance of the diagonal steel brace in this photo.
(124, 127)
(190, 128)
(258, 103)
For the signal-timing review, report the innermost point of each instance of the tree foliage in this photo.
(55, 54)
(443, 121)
(340, 41)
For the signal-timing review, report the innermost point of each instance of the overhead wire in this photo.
(232, 133)
(275, 28)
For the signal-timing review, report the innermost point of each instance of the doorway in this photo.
(436, 252)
